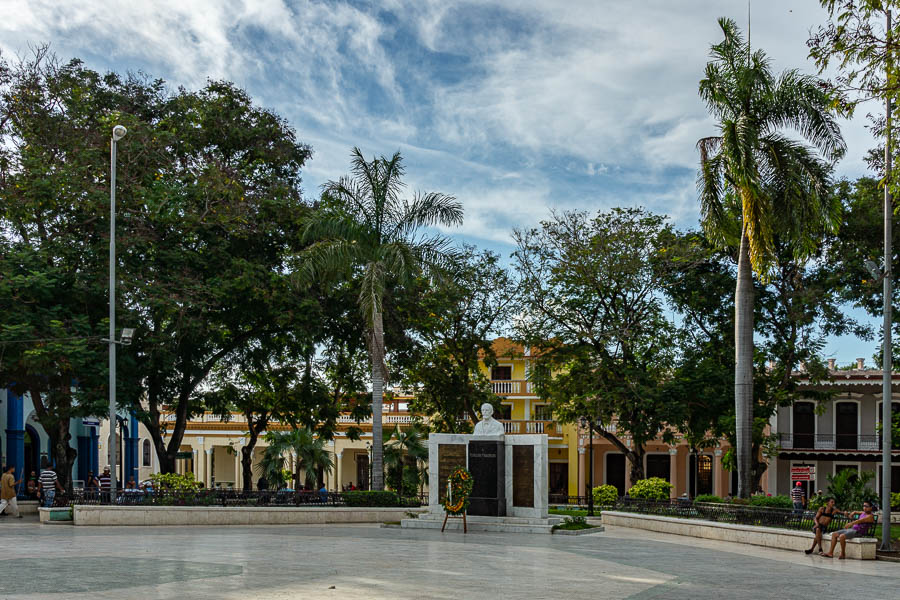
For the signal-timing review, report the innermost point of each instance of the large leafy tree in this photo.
(55, 122)
(596, 321)
(208, 238)
(457, 321)
(367, 233)
(209, 206)
(753, 176)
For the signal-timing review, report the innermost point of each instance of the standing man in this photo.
(797, 497)
(49, 483)
(8, 485)
(105, 483)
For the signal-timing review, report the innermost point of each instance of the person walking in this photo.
(8, 485)
(48, 484)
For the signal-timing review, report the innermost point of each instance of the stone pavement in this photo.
(362, 562)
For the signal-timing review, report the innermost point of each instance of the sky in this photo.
(514, 107)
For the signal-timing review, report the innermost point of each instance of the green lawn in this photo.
(572, 512)
(895, 532)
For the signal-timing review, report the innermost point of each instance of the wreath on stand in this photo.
(459, 488)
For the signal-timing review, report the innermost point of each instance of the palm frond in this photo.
(801, 102)
(427, 210)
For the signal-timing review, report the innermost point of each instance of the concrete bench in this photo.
(771, 537)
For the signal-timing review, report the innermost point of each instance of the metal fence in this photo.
(565, 500)
(784, 518)
(231, 497)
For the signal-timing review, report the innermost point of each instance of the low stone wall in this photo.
(238, 515)
(27, 507)
(785, 539)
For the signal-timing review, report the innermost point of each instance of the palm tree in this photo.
(756, 183)
(404, 447)
(366, 232)
(310, 452)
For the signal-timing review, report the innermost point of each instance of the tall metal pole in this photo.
(117, 134)
(591, 474)
(886, 395)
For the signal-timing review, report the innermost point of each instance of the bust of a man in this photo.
(488, 425)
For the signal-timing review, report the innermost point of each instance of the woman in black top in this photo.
(823, 519)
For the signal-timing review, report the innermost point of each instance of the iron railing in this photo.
(784, 518)
(828, 441)
(231, 497)
(566, 500)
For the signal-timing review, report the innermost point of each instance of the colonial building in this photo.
(837, 434)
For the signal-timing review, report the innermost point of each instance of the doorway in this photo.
(615, 471)
(559, 479)
(804, 428)
(846, 424)
(362, 471)
(701, 474)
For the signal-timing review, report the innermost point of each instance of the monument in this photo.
(510, 474)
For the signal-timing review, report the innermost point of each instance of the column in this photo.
(131, 451)
(209, 473)
(339, 485)
(237, 465)
(95, 450)
(84, 457)
(15, 433)
(581, 467)
(719, 475)
(673, 471)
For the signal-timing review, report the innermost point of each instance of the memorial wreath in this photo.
(459, 487)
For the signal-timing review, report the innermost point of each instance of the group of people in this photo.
(43, 488)
(861, 526)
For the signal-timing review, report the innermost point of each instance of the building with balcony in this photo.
(836, 434)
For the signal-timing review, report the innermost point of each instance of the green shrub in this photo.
(895, 500)
(771, 501)
(654, 488)
(573, 523)
(740, 501)
(606, 495)
(850, 489)
(175, 482)
(708, 498)
(371, 498)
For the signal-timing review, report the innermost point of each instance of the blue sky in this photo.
(514, 107)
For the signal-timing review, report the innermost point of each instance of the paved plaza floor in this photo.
(362, 562)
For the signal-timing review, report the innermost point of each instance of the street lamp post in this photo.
(590, 425)
(118, 133)
(886, 395)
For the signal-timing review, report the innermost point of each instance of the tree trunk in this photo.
(743, 371)
(636, 459)
(377, 356)
(63, 453)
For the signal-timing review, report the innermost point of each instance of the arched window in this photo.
(146, 452)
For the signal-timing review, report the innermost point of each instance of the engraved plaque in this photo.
(523, 476)
(450, 456)
(487, 461)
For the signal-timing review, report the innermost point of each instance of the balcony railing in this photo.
(828, 441)
(511, 387)
(550, 428)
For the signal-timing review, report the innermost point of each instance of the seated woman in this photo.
(854, 529)
(823, 519)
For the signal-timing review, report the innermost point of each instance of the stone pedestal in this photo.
(511, 472)
(487, 463)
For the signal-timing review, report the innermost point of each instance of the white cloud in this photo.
(585, 103)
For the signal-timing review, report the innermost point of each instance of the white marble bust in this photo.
(488, 425)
